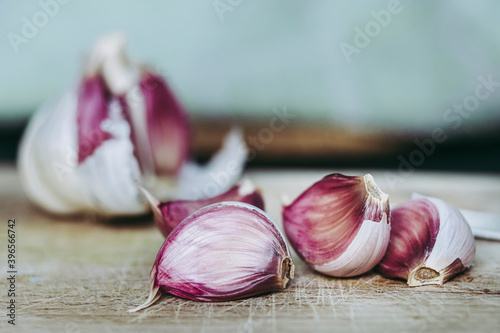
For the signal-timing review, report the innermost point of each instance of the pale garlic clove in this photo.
(170, 214)
(222, 252)
(430, 242)
(340, 225)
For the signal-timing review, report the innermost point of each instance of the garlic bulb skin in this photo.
(170, 214)
(340, 225)
(224, 251)
(430, 242)
(53, 178)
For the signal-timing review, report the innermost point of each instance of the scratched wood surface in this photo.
(82, 274)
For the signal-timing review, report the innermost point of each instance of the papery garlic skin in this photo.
(222, 252)
(217, 176)
(430, 242)
(54, 179)
(170, 214)
(340, 226)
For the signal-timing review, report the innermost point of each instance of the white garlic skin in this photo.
(50, 174)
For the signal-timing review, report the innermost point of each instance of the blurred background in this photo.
(322, 83)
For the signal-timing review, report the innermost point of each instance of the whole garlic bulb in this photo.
(224, 251)
(120, 124)
(340, 225)
(430, 242)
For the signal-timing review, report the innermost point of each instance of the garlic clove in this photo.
(222, 252)
(340, 225)
(160, 126)
(430, 242)
(170, 213)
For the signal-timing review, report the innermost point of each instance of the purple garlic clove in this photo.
(160, 126)
(430, 243)
(339, 226)
(222, 252)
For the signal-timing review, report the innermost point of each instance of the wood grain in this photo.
(82, 274)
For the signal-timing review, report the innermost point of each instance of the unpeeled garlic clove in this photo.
(340, 225)
(160, 126)
(222, 252)
(430, 242)
(170, 213)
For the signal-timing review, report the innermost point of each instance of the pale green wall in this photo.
(268, 54)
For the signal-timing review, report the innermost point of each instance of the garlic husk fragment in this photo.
(222, 252)
(430, 242)
(169, 214)
(119, 124)
(216, 177)
(340, 225)
(483, 225)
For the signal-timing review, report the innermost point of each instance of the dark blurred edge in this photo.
(10, 135)
(323, 146)
(320, 146)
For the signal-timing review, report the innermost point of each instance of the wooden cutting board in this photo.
(82, 274)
